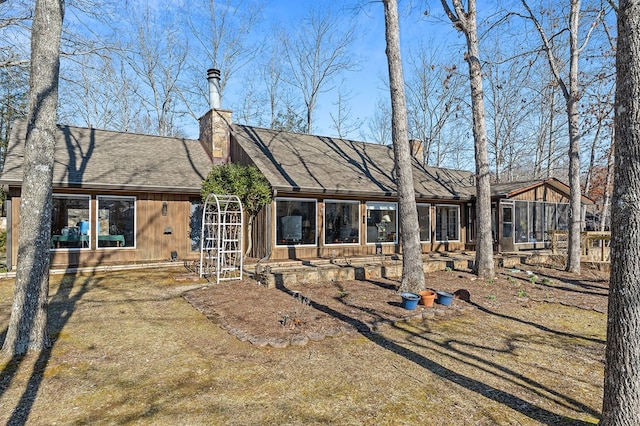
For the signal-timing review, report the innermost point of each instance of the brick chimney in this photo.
(416, 149)
(215, 124)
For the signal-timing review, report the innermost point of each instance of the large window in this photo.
(70, 221)
(532, 220)
(447, 223)
(424, 222)
(295, 221)
(341, 222)
(116, 221)
(382, 222)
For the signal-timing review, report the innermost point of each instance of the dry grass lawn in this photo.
(128, 349)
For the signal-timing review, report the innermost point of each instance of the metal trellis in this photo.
(221, 238)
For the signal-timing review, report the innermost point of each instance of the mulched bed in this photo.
(301, 313)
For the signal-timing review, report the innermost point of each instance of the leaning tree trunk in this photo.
(27, 330)
(622, 368)
(412, 270)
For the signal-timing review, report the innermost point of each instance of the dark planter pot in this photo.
(409, 300)
(444, 298)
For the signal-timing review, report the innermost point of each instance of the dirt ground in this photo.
(127, 348)
(303, 312)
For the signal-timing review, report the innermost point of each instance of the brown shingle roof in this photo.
(101, 159)
(324, 165)
(292, 162)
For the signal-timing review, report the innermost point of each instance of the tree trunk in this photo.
(412, 269)
(250, 234)
(622, 367)
(606, 203)
(27, 330)
(465, 21)
(483, 265)
(575, 202)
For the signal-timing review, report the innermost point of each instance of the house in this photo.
(130, 198)
(525, 212)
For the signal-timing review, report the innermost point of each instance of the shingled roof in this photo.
(102, 159)
(310, 164)
(292, 162)
(511, 189)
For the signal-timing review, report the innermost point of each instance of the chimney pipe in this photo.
(213, 77)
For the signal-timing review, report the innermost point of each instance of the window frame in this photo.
(135, 221)
(457, 208)
(356, 203)
(393, 204)
(275, 221)
(428, 206)
(90, 219)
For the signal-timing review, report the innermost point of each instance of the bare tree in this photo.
(433, 94)
(316, 53)
(27, 330)
(343, 122)
(571, 92)
(465, 21)
(158, 58)
(224, 34)
(99, 93)
(412, 266)
(14, 27)
(622, 367)
(378, 126)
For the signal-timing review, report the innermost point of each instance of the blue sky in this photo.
(366, 84)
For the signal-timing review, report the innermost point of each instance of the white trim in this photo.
(377, 206)
(275, 221)
(428, 206)
(357, 203)
(74, 196)
(135, 221)
(457, 206)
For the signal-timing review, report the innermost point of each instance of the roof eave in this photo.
(111, 187)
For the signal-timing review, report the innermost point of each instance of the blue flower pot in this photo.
(444, 298)
(409, 300)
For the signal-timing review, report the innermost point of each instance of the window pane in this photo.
(116, 221)
(341, 222)
(424, 221)
(507, 224)
(195, 223)
(563, 216)
(447, 219)
(70, 222)
(295, 222)
(535, 222)
(522, 221)
(382, 222)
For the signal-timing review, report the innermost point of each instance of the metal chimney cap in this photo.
(213, 73)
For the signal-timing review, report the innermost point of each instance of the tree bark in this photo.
(622, 368)
(575, 202)
(465, 21)
(27, 330)
(412, 267)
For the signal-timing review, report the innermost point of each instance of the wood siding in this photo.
(320, 250)
(156, 235)
(542, 193)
